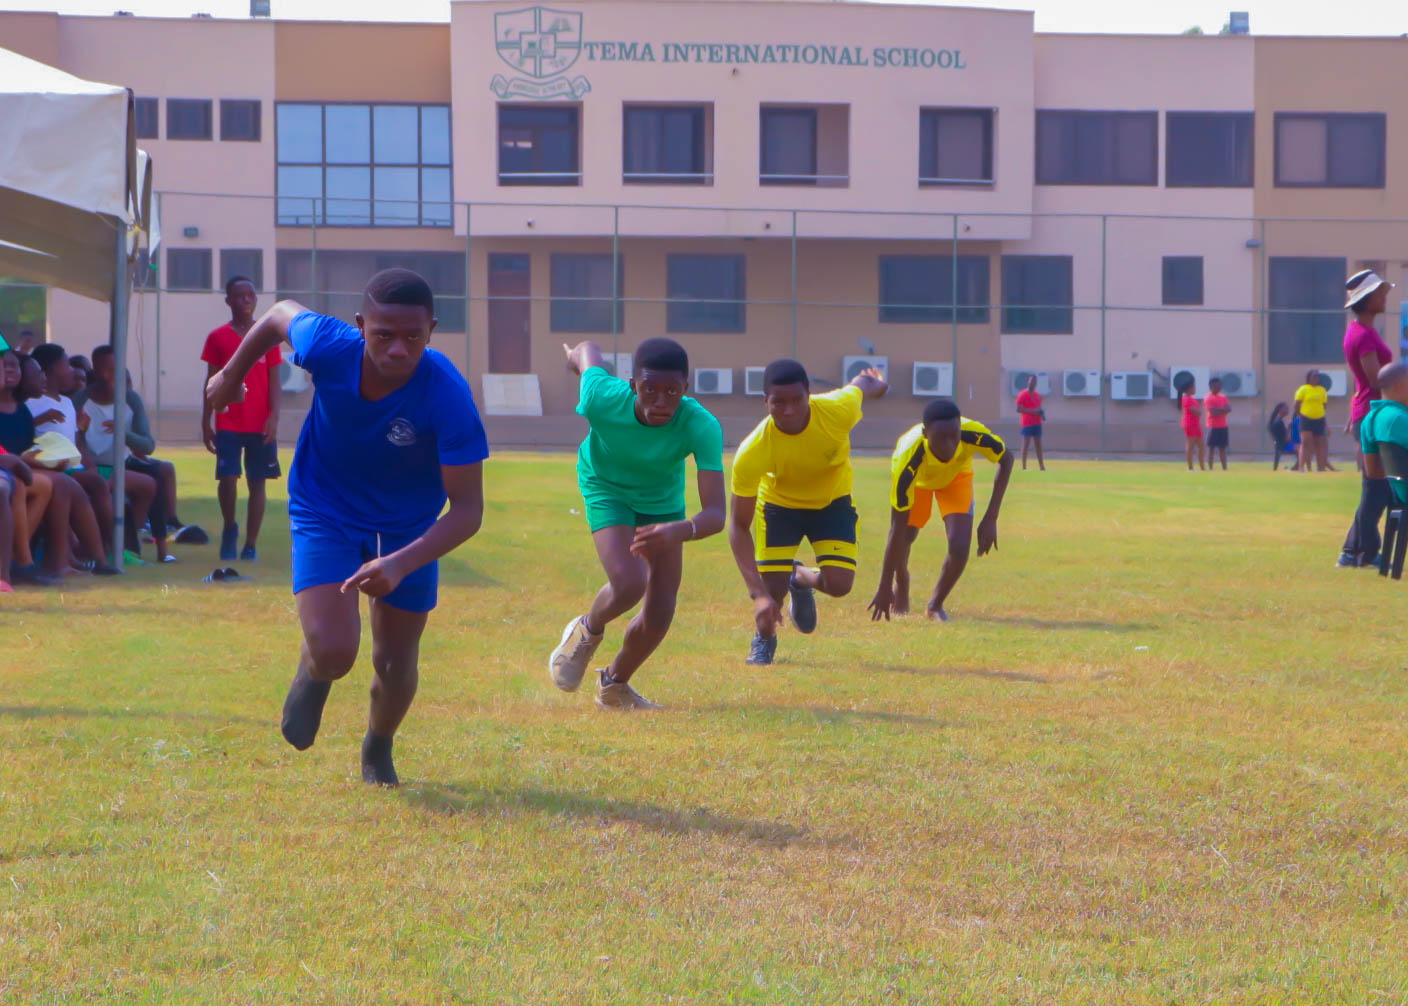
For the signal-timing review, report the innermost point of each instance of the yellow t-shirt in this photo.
(913, 465)
(805, 471)
(1312, 398)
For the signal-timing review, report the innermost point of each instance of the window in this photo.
(188, 269)
(242, 262)
(581, 293)
(787, 155)
(706, 293)
(1037, 294)
(1330, 151)
(1306, 323)
(1097, 148)
(188, 119)
(239, 120)
(539, 145)
(1183, 279)
(146, 110)
(666, 144)
(919, 288)
(1208, 149)
(362, 165)
(955, 146)
(337, 288)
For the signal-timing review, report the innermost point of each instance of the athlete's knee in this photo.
(332, 655)
(394, 663)
(628, 585)
(837, 582)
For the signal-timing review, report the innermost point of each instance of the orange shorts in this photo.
(956, 497)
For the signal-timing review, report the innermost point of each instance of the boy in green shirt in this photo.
(631, 472)
(1387, 421)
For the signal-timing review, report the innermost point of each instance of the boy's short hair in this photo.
(784, 372)
(230, 284)
(101, 351)
(1214, 380)
(941, 410)
(47, 355)
(660, 353)
(400, 286)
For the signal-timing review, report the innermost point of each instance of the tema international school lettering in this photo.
(782, 52)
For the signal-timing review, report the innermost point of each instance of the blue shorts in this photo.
(326, 553)
(261, 460)
(1032, 431)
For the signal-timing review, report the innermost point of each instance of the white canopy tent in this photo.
(75, 193)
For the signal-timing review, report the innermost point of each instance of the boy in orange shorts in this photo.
(933, 463)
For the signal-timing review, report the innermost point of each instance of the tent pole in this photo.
(121, 288)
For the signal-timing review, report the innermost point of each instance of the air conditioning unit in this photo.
(932, 380)
(1017, 381)
(1238, 383)
(753, 380)
(293, 379)
(1178, 378)
(1131, 386)
(713, 380)
(617, 364)
(1080, 383)
(1336, 382)
(851, 366)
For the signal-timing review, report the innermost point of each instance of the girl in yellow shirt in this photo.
(1310, 406)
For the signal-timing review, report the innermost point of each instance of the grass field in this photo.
(1158, 756)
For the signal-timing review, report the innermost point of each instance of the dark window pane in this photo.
(1357, 151)
(664, 141)
(1096, 148)
(1307, 319)
(349, 134)
(1037, 293)
(538, 145)
(188, 119)
(349, 197)
(1206, 149)
(300, 134)
(188, 269)
(1183, 279)
(1334, 150)
(342, 274)
(787, 151)
(955, 144)
(434, 134)
(919, 288)
(239, 120)
(581, 293)
(396, 134)
(146, 110)
(706, 293)
(242, 262)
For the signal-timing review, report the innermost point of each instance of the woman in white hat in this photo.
(1365, 352)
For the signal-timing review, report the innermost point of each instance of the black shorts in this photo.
(778, 532)
(261, 460)
(1218, 437)
(1315, 426)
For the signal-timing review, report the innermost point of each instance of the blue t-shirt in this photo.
(375, 466)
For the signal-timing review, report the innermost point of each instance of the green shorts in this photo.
(613, 513)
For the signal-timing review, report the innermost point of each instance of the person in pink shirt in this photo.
(1191, 409)
(1365, 352)
(1029, 406)
(1216, 408)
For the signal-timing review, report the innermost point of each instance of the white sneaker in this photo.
(568, 663)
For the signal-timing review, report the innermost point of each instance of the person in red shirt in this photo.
(1029, 406)
(1192, 409)
(248, 428)
(1216, 408)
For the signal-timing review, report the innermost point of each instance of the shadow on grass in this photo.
(73, 712)
(1061, 625)
(989, 673)
(831, 715)
(452, 798)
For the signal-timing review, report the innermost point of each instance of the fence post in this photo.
(794, 284)
(1263, 279)
(117, 337)
(313, 258)
(953, 303)
(615, 279)
(1104, 271)
(468, 253)
(160, 216)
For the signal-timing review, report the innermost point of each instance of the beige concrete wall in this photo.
(33, 34)
(332, 61)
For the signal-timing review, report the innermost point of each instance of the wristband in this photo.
(693, 531)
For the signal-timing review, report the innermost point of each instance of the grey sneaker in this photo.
(802, 603)
(761, 650)
(568, 663)
(620, 696)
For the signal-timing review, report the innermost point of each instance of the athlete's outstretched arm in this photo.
(226, 386)
(987, 528)
(871, 383)
(766, 613)
(464, 485)
(583, 357)
(896, 564)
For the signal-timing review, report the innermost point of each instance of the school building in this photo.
(941, 188)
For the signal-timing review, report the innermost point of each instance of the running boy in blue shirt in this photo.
(392, 433)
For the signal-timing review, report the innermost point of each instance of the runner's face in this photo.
(658, 395)
(789, 407)
(942, 435)
(396, 337)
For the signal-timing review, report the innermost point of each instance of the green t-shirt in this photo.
(641, 466)
(1386, 423)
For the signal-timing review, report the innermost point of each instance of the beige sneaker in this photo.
(568, 663)
(620, 696)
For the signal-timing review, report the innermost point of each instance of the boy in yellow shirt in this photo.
(933, 463)
(797, 463)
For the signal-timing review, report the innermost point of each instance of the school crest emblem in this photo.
(543, 44)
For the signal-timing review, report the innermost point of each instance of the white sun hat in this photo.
(1361, 284)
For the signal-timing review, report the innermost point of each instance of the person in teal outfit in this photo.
(631, 470)
(1387, 423)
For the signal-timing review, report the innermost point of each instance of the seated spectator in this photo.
(30, 494)
(1386, 423)
(82, 370)
(10, 468)
(68, 507)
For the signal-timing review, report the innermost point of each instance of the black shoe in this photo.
(35, 576)
(803, 604)
(191, 535)
(1369, 560)
(303, 709)
(377, 768)
(762, 649)
(1346, 561)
